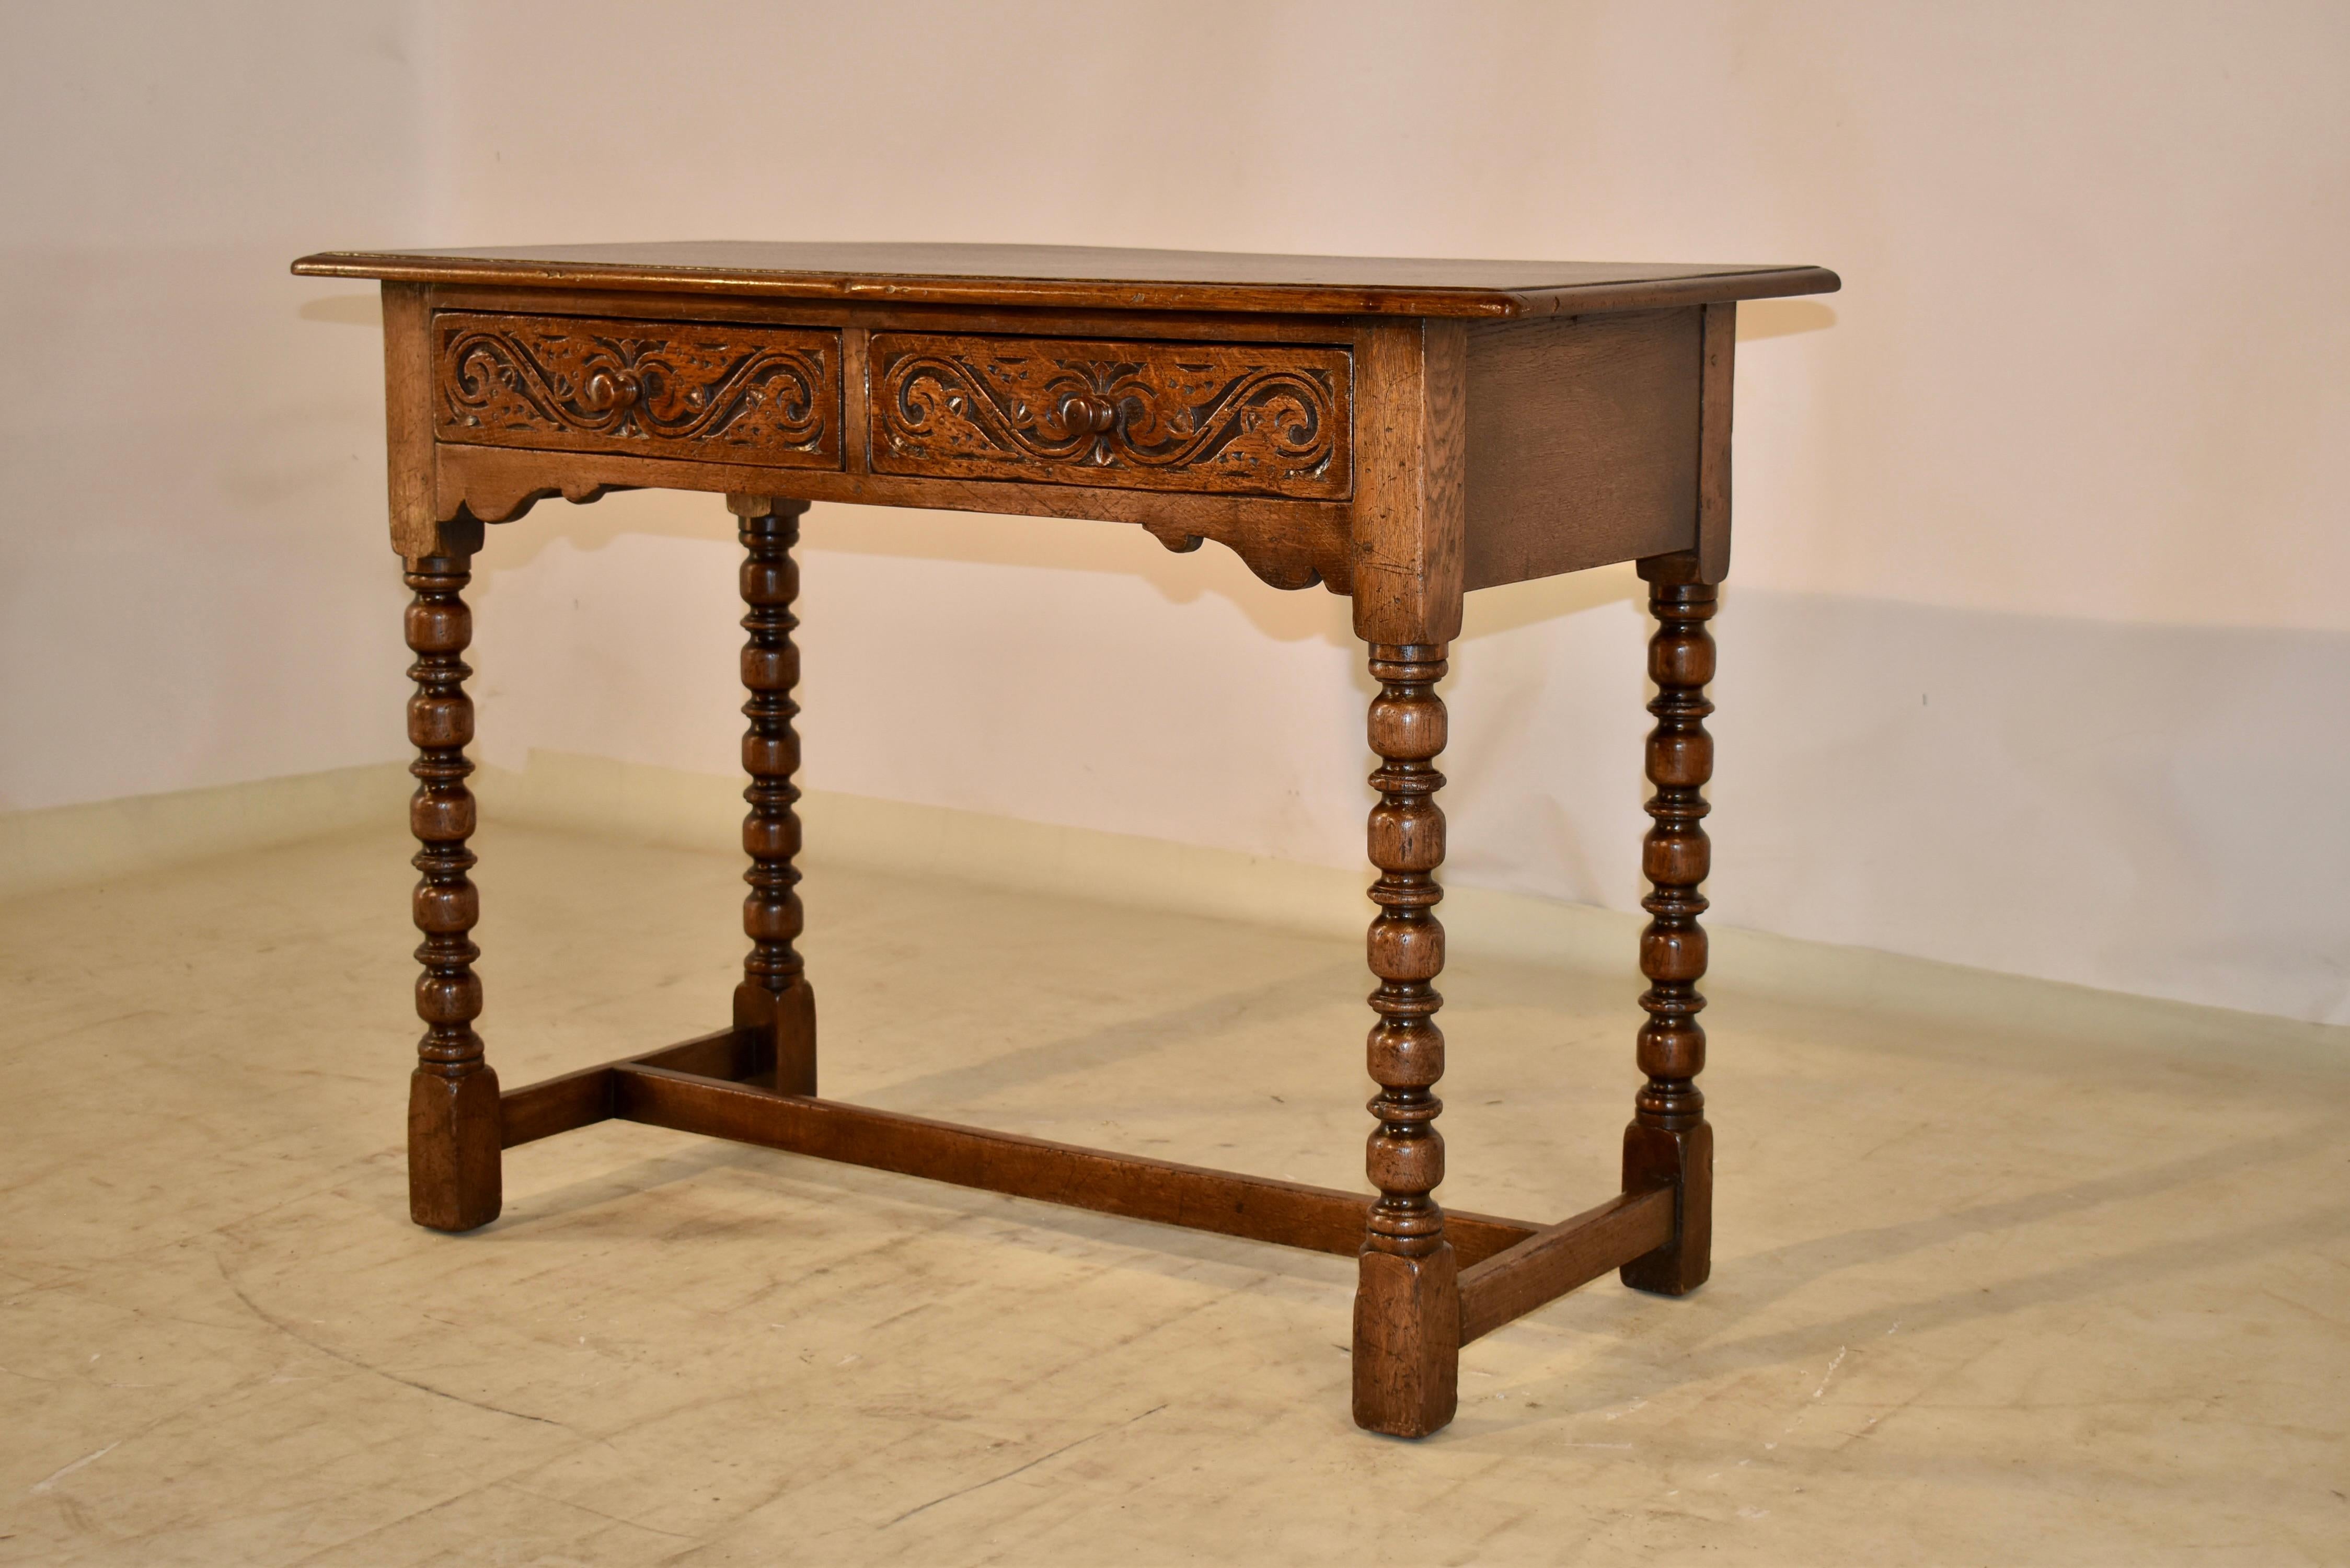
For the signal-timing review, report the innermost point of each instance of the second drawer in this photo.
(1223, 418)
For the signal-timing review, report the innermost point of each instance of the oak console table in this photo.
(1400, 432)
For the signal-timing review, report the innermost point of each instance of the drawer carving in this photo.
(767, 395)
(1224, 418)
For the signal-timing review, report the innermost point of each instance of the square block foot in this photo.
(1407, 1342)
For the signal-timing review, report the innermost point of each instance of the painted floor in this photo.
(2063, 1285)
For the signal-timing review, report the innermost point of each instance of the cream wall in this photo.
(189, 439)
(2034, 657)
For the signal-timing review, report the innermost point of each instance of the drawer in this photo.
(1241, 419)
(768, 395)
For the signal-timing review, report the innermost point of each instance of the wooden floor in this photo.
(2058, 1282)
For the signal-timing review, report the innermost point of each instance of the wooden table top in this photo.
(1088, 277)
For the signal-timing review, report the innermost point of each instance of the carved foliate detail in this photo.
(651, 389)
(1222, 417)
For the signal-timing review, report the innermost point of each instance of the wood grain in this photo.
(1232, 419)
(1551, 1262)
(899, 316)
(1287, 544)
(453, 1136)
(1079, 278)
(1670, 1144)
(1582, 444)
(1399, 431)
(1410, 516)
(1407, 1366)
(408, 422)
(420, 527)
(764, 395)
(1406, 1315)
(1719, 382)
(774, 1003)
(582, 1098)
(1317, 1219)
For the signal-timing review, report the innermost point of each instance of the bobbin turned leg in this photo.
(454, 1130)
(1406, 1303)
(1670, 1143)
(774, 1004)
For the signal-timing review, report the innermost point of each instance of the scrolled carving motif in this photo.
(760, 395)
(1237, 419)
(628, 386)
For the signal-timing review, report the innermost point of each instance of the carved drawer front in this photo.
(768, 395)
(1237, 419)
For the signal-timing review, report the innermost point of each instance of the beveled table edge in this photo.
(1098, 294)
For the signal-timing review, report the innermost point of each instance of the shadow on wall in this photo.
(356, 310)
(2146, 808)
(1760, 318)
(2139, 808)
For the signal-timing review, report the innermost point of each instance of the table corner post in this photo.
(1409, 529)
(1406, 1348)
(455, 1130)
(1670, 1143)
(775, 1007)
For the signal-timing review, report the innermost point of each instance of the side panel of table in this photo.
(1585, 441)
